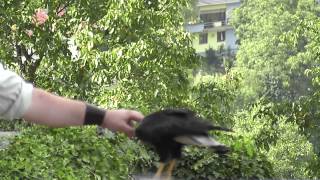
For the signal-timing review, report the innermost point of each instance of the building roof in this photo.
(213, 2)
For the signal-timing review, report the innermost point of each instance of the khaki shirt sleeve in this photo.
(15, 95)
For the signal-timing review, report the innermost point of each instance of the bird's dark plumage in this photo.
(170, 129)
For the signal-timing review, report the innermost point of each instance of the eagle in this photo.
(169, 130)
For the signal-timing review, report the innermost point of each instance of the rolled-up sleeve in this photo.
(15, 95)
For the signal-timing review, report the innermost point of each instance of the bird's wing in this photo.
(198, 141)
(188, 115)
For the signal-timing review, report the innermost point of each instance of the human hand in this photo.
(121, 120)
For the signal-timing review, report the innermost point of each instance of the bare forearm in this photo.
(19, 99)
(54, 111)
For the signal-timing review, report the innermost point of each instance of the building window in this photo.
(203, 38)
(213, 17)
(221, 36)
(210, 18)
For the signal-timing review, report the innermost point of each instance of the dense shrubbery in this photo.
(213, 96)
(72, 153)
(244, 162)
(281, 141)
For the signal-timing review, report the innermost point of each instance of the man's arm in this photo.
(19, 99)
(54, 111)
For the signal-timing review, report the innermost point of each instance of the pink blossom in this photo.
(61, 11)
(40, 17)
(29, 32)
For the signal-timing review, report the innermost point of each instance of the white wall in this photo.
(231, 39)
(230, 8)
(230, 34)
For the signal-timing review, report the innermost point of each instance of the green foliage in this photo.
(278, 60)
(71, 153)
(15, 125)
(305, 111)
(304, 114)
(244, 162)
(217, 61)
(119, 47)
(292, 154)
(272, 66)
(212, 96)
(76, 153)
(281, 141)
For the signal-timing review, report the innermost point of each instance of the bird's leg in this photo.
(170, 168)
(159, 171)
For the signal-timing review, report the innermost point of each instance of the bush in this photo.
(213, 96)
(243, 162)
(15, 125)
(292, 153)
(286, 148)
(72, 153)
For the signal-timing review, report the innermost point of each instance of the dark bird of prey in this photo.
(170, 129)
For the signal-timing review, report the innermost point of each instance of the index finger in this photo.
(136, 116)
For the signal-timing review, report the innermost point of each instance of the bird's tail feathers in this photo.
(198, 141)
(206, 141)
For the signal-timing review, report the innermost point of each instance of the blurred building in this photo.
(212, 28)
